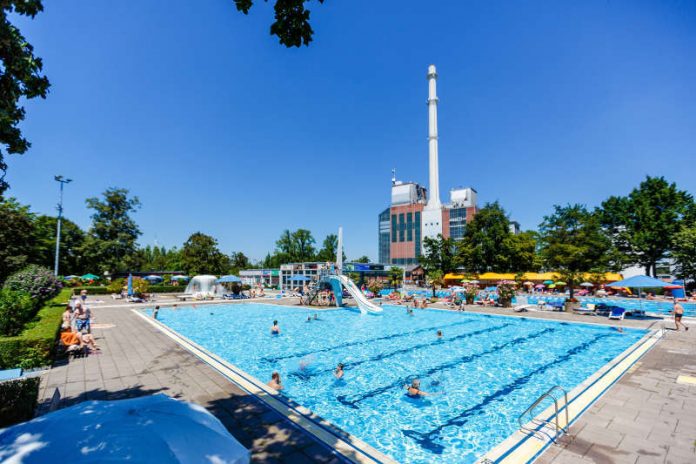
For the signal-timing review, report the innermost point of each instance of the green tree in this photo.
(439, 253)
(487, 245)
(643, 224)
(291, 24)
(363, 259)
(303, 245)
(328, 249)
(436, 278)
(238, 262)
(159, 258)
(285, 246)
(684, 252)
(72, 239)
(523, 256)
(201, 255)
(573, 242)
(17, 237)
(111, 241)
(396, 275)
(20, 78)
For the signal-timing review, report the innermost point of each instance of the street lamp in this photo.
(62, 182)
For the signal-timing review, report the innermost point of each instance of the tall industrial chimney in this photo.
(434, 187)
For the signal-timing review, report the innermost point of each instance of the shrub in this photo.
(18, 400)
(92, 290)
(140, 286)
(115, 286)
(167, 288)
(16, 308)
(37, 281)
(33, 347)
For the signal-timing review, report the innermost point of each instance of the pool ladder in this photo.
(556, 394)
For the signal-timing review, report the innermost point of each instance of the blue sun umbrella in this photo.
(639, 282)
(130, 285)
(229, 278)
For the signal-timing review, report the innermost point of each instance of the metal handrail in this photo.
(547, 394)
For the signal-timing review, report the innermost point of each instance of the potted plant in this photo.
(506, 292)
(470, 292)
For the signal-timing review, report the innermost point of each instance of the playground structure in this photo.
(334, 279)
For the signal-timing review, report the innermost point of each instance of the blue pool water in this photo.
(483, 373)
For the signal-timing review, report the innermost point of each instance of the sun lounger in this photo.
(590, 310)
(617, 313)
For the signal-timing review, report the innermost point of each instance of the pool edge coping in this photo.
(526, 447)
(342, 443)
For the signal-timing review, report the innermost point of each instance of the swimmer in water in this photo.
(275, 382)
(316, 317)
(275, 330)
(414, 390)
(309, 318)
(439, 334)
(338, 373)
(155, 312)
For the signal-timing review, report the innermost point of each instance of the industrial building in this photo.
(416, 212)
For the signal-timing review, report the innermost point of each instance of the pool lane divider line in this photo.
(363, 342)
(344, 444)
(445, 366)
(381, 357)
(526, 447)
(426, 439)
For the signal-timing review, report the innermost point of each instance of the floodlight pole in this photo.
(62, 181)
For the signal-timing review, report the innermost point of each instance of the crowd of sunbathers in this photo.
(76, 327)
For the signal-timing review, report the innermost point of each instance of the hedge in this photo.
(18, 400)
(95, 290)
(34, 346)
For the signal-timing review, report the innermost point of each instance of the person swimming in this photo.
(316, 317)
(275, 382)
(309, 319)
(439, 334)
(275, 330)
(155, 312)
(414, 390)
(338, 373)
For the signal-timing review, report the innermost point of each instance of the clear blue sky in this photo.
(216, 127)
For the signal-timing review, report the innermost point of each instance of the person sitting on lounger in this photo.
(275, 382)
(67, 318)
(414, 390)
(83, 317)
(275, 330)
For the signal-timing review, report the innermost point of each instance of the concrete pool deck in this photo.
(646, 417)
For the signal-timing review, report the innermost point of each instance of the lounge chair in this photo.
(590, 310)
(617, 313)
(523, 305)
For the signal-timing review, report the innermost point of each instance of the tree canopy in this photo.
(16, 237)
(111, 240)
(573, 242)
(643, 224)
(20, 78)
(291, 24)
(201, 255)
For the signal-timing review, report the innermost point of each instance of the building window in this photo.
(409, 227)
(417, 226)
(393, 233)
(402, 225)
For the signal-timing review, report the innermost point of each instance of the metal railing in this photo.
(556, 389)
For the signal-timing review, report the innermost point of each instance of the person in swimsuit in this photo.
(338, 373)
(275, 382)
(678, 314)
(414, 390)
(275, 330)
(439, 334)
(155, 312)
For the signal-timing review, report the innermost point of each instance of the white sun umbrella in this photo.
(587, 284)
(147, 429)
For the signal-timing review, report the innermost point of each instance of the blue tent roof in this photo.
(299, 278)
(640, 281)
(229, 278)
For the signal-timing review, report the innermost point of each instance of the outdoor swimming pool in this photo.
(483, 373)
